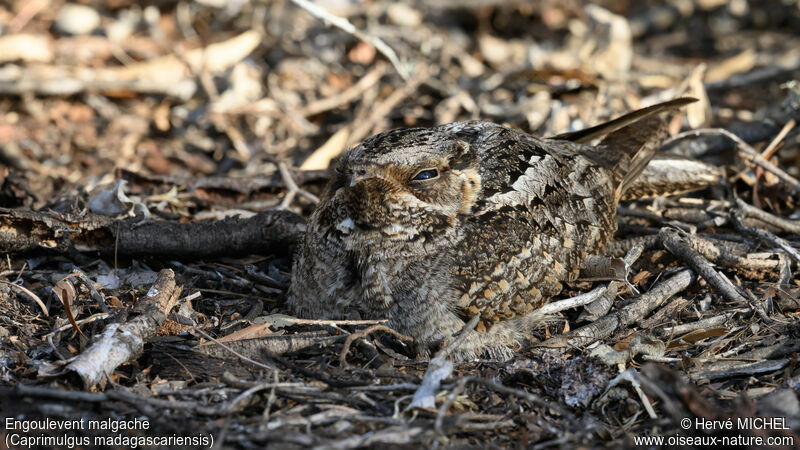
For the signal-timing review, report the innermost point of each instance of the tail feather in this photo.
(637, 144)
(597, 131)
(630, 141)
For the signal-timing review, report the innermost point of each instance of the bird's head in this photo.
(402, 185)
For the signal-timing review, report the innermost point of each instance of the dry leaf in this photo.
(322, 157)
(30, 294)
(252, 332)
(699, 335)
(65, 292)
(742, 62)
(641, 277)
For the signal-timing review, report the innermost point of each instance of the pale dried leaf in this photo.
(322, 157)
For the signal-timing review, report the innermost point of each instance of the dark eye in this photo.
(426, 174)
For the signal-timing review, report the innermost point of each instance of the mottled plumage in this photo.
(428, 227)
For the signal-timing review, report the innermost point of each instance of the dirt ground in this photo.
(158, 160)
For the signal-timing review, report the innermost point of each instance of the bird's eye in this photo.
(426, 174)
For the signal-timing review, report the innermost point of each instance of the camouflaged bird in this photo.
(428, 227)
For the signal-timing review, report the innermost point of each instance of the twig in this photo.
(602, 305)
(96, 296)
(750, 154)
(346, 96)
(293, 188)
(270, 399)
(264, 233)
(25, 14)
(773, 145)
(364, 333)
(231, 406)
(459, 338)
(380, 111)
(228, 348)
(332, 322)
(390, 436)
(766, 236)
(573, 302)
(553, 406)
(632, 376)
(790, 226)
(674, 243)
(29, 294)
(122, 342)
(710, 322)
(661, 359)
(310, 373)
(730, 369)
(768, 152)
(617, 320)
(23, 390)
(461, 384)
(388, 387)
(721, 256)
(345, 25)
(92, 318)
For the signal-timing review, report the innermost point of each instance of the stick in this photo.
(364, 333)
(30, 294)
(790, 226)
(617, 320)
(345, 25)
(293, 188)
(385, 107)
(674, 243)
(347, 96)
(749, 153)
(766, 236)
(266, 232)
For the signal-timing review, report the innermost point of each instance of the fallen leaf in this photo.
(322, 157)
(65, 292)
(699, 335)
(252, 332)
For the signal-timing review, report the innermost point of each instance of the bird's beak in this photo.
(355, 179)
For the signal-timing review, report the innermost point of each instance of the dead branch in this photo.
(267, 232)
(249, 349)
(720, 283)
(731, 369)
(747, 152)
(767, 237)
(790, 226)
(611, 322)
